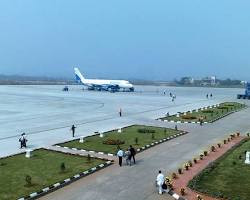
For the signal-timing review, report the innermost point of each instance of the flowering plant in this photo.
(182, 191)
(174, 175)
(186, 166)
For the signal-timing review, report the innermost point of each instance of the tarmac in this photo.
(46, 114)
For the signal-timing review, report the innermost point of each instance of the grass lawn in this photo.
(128, 135)
(229, 176)
(207, 114)
(44, 169)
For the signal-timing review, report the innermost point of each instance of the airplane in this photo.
(104, 85)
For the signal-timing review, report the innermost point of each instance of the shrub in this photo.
(182, 191)
(62, 167)
(136, 140)
(3, 164)
(224, 141)
(186, 166)
(145, 130)
(234, 163)
(208, 111)
(190, 163)
(240, 157)
(201, 157)
(110, 141)
(238, 134)
(153, 136)
(188, 117)
(213, 148)
(228, 139)
(174, 176)
(88, 158)
(219, 145)
(199, 197)
(229, 105)
(169, 183)
(248, 134)
(28, 180)
(195, 160)
(205, 153)
(222, 108)
(180, 171)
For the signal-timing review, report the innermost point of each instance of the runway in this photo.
(46, 113)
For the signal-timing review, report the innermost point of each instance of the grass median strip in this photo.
(136, 135)
(207, 115)
(228, 177)
(22, 176)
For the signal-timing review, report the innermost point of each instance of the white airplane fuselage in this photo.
(101, 84)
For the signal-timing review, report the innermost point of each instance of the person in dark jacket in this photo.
(133, 152)
(73, 128)
(23, 140)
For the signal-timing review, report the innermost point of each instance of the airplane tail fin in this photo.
(79, 76)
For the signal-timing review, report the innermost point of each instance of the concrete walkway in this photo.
(137, 182)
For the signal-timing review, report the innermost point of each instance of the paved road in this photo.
(137, 182)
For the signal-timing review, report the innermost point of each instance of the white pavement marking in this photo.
(176, 196)
(45, 189)
(57, 184)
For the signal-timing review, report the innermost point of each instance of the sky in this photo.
(132, 39)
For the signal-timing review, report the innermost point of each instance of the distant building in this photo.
(243, 82)
(187, 80)
(211, 80)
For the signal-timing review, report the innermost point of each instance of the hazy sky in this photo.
(156, 39)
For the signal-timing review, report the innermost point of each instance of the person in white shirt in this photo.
(120, 154)
(160, 181)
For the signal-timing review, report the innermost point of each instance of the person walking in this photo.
(120, 112)
(160, 181)
(201, 120)
(133, 152)
(128, 157)
(23, 140)
(73, 128)
(120, 154)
